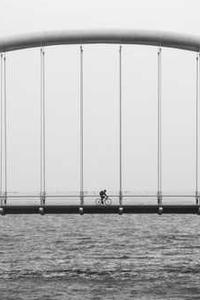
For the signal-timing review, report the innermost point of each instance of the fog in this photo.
(101, 99)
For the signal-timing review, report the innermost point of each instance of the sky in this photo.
(25, 16)
(101, 75)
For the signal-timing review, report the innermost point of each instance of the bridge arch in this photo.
(140, 37)
(80, 37)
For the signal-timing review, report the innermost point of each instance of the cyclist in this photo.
(103, 196)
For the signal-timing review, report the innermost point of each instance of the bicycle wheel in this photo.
(98, 201)
(108, 201)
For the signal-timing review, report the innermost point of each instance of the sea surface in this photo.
(99, 257)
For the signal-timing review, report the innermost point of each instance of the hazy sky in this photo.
(25, 16)
(139, 82)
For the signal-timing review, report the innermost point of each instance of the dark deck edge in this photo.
(89, 209)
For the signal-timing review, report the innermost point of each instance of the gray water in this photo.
(100, 257)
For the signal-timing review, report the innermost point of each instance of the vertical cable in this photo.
(1, 132)
(197, 131)
(5, 133)
(42, 128)
(81, 127)
(41, 100)
(159, 155)
(120, 125)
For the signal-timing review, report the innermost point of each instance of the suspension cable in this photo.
(42, 128)
(1, 132)
(197, 130)
(81, 128)
(120, 125)
(5, 132)
(159, 157)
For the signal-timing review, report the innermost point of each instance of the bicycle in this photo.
(106, 201)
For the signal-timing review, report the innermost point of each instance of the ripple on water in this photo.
(98, 257)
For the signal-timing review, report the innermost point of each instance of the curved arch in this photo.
(153, 38)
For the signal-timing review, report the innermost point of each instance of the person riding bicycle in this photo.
(103, 196)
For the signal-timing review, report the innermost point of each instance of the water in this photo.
(99, 257)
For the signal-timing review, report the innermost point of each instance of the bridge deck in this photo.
(92, 209)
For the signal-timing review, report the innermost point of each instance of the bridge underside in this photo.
(92, 209)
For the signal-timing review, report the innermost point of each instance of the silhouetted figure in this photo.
(103, 196)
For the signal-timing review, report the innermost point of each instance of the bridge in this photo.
(120, 37)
